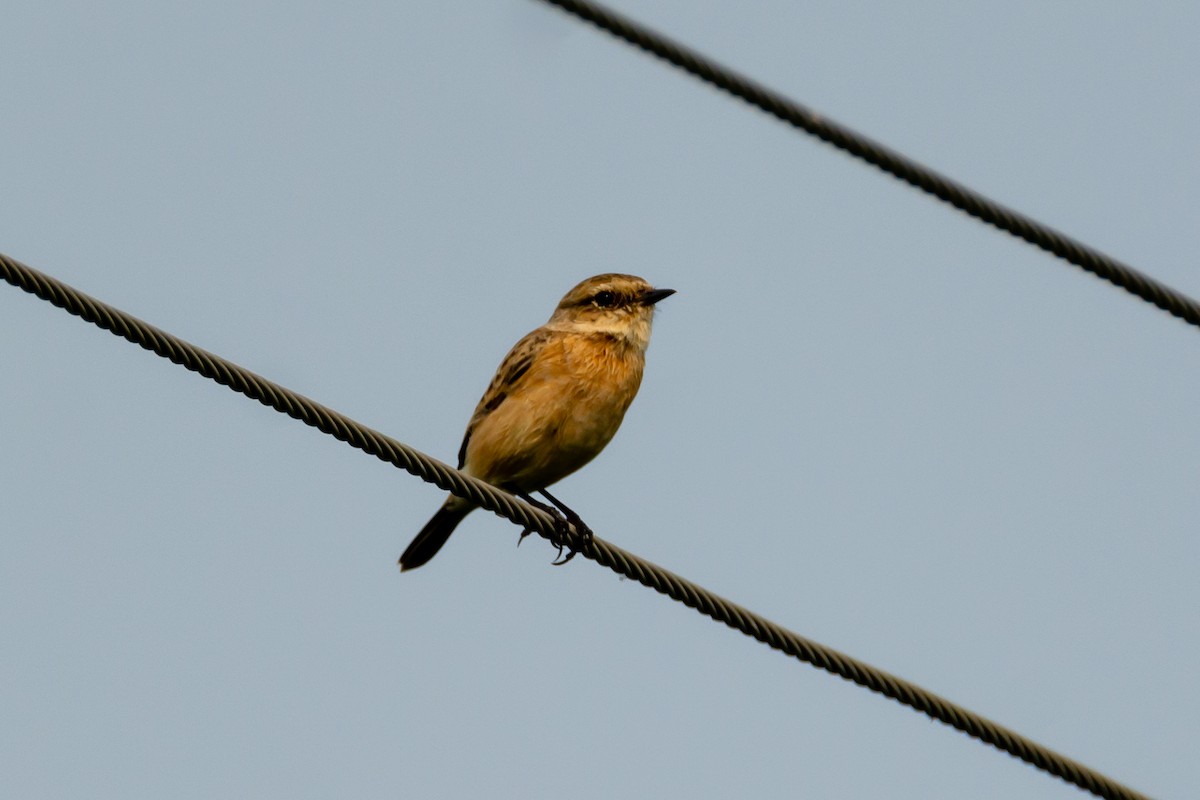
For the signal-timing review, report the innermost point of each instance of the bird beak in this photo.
(654, 295)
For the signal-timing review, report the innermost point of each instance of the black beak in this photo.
(654, 295)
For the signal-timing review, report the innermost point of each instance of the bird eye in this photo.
(604, 299)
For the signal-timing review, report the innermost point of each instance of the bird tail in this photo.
(435, 533)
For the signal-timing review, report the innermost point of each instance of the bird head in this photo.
(619, 305)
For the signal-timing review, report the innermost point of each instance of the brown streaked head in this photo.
(612, 292)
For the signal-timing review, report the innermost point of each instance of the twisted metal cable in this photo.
(505, 505)
(887, 159)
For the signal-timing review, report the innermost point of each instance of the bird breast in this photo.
(562, 413)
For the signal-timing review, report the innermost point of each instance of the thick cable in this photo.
(900, 166)
(615, 558)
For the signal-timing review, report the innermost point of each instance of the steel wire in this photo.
(615, 558)
(885, 158)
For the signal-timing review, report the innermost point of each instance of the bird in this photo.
(555, 401)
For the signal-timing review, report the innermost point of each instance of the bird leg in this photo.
(564, 519)
(581, 527)
(561, 523)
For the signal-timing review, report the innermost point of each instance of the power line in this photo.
(615, 558)
(887, 159)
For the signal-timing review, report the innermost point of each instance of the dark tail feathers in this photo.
(435, 533)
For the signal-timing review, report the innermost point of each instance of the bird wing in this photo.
(508, 376)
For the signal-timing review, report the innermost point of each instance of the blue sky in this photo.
(871, 419)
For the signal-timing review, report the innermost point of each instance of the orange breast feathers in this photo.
(558, 415)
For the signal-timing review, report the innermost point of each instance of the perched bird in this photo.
(555, 402)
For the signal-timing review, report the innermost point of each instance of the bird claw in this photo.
(581, 528)
(564, 520)
(562, 529)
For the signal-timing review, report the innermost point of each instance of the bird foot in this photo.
(564, 520)
(581, 528)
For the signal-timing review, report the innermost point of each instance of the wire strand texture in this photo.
(896, 164)
(615, 558)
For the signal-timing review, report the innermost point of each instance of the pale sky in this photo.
(867, 417)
